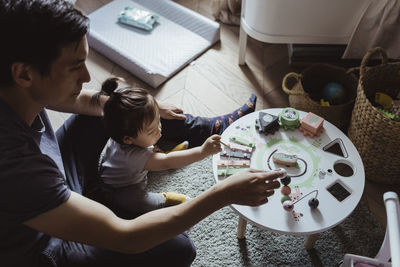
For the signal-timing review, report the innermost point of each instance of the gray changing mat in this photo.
(179, 36)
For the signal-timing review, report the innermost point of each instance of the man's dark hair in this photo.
(34, 32)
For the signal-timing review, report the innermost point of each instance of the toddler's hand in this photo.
(211, 145)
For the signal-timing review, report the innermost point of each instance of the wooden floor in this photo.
(215, 73)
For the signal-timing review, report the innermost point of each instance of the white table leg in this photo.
(241, 228)
(242, 46)
(310, 241)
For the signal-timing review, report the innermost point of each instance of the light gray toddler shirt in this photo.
(123, 165)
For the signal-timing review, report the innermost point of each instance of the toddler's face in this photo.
(150, 134)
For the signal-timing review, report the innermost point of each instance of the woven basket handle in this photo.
(295, 90)
(355, 71)
(369, 55)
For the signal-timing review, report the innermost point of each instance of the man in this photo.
(45, 219)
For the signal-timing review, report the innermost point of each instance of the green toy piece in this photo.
(284, 198)
(242, 141)
(229, 171)
(289, 119)
(285, 159)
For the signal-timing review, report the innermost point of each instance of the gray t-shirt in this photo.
(123, 165)
(31, 183)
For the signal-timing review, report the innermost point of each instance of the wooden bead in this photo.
(288, 205)
(285, 190)
(284, 198)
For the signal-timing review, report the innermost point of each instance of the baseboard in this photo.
(304, 55)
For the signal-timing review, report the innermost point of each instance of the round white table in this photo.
(320, 162)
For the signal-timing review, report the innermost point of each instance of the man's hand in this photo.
(250, 187)
(170, 112)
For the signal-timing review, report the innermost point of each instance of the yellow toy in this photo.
(384, 100)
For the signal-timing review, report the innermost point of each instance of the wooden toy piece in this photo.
(288, 205)
(238, 163)
(267, 120)
(235, 154)
(242, 141)
(286, 190)
(286, 180)
(227, 145)
(289, 119)
(285, 159)
(267, 123)
(269, 130)
(230, 171)
(257, 125)
(312, 122)
(296, 195)
(284, 198)
(313, 203)
(312, 125)
(309, 133)
(297, 215)
(235, 146)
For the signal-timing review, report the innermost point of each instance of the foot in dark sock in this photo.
(220, 123)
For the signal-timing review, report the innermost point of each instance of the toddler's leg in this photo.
(133, 200)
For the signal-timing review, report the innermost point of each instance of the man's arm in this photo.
(170, 112)
(83, 104)
(83, 220)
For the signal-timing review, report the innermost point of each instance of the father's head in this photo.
(35, 31)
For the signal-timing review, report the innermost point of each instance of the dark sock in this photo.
(220, 123)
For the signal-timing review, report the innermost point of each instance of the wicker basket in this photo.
(377, 137)
(311, 82)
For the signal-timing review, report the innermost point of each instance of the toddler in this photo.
(132, 119)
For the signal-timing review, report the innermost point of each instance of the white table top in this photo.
(303, 220)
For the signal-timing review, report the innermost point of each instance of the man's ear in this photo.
(22, 74)
(128, 140)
